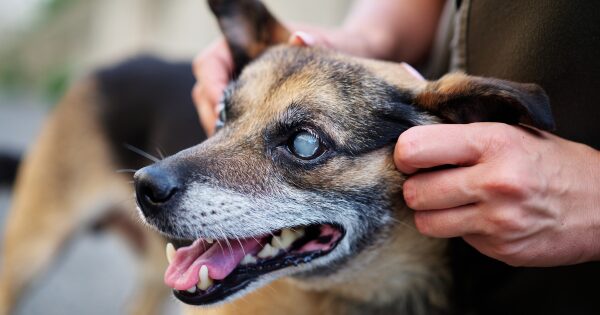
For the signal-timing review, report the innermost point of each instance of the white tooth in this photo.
(209, 240)
(276, 242)
(170, 252)
(268, 251)
(248, 259)
(299, 232)
(205, 281)
(288, 237)
(192, 289)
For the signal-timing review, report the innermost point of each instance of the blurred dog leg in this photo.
(149, 246)
(151, 292)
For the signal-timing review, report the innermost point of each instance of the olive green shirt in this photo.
(554, 43)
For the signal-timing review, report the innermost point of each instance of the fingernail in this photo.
(413, 71)
(300, 38)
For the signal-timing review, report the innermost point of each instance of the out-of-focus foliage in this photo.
(16, 76)
(53, 7)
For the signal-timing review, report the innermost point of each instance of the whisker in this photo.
(227, 242)
(254, 238)
(219, 243)
(160, 153)
(141, 153)
(241, 246)
(126, 170)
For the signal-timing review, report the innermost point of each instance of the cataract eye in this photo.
(305, 145)
(222, 116)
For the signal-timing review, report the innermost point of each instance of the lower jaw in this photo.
(244, 275)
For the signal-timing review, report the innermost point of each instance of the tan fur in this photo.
(63, 186)
(404, 262)
(69, 171)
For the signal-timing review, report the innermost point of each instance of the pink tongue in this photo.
(182, 272)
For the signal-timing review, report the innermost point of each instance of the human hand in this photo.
(212, 69)
(213, 66)
(522, 196)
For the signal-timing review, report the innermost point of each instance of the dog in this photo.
(294, 206)
(76, 177)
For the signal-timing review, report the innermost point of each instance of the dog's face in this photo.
(300, 179)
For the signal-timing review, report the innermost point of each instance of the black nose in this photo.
(155, 187)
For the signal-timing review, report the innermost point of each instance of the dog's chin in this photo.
(285, 252)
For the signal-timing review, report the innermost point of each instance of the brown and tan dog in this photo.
(300, 183)
(298, 188)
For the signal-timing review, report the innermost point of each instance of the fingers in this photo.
(212, 69)
(435, 145)
(453, 222)
(441, 189)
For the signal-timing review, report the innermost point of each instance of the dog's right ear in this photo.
(249, 28)
(459, 98)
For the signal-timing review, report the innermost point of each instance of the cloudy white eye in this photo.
(305, 145)
(221, 115)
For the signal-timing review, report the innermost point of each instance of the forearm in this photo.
(398, 30)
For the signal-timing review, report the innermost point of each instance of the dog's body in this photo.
(71, 180)
(248, 182)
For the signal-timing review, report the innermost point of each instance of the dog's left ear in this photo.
(249, 28)
(458, 98)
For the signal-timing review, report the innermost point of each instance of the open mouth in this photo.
(209, 271)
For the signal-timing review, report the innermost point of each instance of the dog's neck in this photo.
(406, 275)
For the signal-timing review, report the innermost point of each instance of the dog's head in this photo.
(300, 178)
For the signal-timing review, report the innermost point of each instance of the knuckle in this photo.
(503, 221)
(507, 181)
(507, 252)
(502, 250)
(498, 136)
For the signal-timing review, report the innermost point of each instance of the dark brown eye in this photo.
(305, 145)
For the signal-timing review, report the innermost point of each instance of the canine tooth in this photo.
(205, 281)
(170, 252)
(277, 242)
(285, 240)
(248, 259)
(209, 240)
(268, 251)
(288, 237)
(192, 289)
(299, 232)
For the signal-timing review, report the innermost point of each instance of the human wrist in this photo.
(585, 200)
(595, 175)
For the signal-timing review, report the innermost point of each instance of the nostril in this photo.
(154, 187)
(157, 193)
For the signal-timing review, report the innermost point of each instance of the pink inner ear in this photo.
(413, 71)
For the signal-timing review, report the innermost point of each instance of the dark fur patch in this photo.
(146, 103)
(458, 98)
(249, 29)
(9, 163)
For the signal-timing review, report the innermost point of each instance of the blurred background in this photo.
(45, 45)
